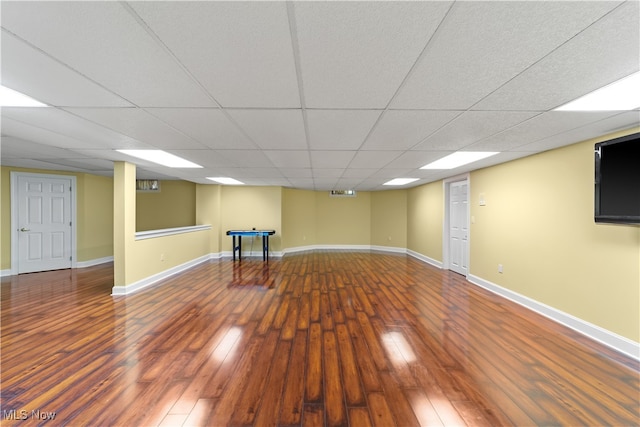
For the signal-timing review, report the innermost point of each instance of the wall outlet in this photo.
(161, 257)
(499, 268)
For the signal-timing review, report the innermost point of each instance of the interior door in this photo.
(458, 227)
(44, 223)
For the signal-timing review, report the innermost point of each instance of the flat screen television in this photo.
(617, 190)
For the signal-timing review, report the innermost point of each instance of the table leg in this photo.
(233, 247)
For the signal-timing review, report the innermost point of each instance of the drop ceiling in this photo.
(308, 95)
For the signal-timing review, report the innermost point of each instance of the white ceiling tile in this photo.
(325, 183)
(62, 122)
(273, 129)
(481, 45)
(296, 172)
(358, 173)
(248, 59)
(347, 183)
(538, 127)
(39, 164)
(289, 158)
(209, 126)
(603, 53)
(618, 122)
(331, 159)
(416, 159)
(373, 159)
(334, 173)
(339, 129)
(355, 54)
(35, 74)
(247, 158)
(302, 183)
(386, 174)
(204, 158)
(43, 136)
(402, 129)
(12, 147)
(138, 124)
(104, 42)
(471, 127)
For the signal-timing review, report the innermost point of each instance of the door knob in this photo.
(24, 229)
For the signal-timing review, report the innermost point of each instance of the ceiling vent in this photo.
(342, 193)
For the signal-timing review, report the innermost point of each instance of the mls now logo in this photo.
(23, 414)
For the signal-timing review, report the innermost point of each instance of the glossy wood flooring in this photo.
(313, 339)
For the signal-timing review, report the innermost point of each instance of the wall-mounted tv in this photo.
(617, 167)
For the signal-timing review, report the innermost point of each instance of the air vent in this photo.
(342, 193)
(147, 185)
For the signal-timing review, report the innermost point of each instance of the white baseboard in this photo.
(425, 258)
(391, 249)
(596, 333)
(92, 262)
(148, 281)
(250, 254)
(7, 272)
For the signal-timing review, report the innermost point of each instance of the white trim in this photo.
(610, 339)
(391, 249)
(148, 281)
(152, 234)
(425, 258)
(7, 272)
(95, 261)
(251, 254)
(13, 177)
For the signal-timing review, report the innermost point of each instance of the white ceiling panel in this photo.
(33, 73)
(296, 172)
(538, 127)
(339, 129)
(289, 158)
(104, 42)
(204, 158)
(331, 159)
(471, 127)
(248, 60)
(402, 129)
(29, 132)
(273, 129)
(416, 159)
(373, 159)
(602, 127)
(13, 147)
(138, 124)
(308, 95)
(247, 158)
(603, 53)
(64, 123)
(209, 126)
(356, 54)
(482, 45)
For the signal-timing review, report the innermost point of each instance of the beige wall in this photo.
(425, 210)
(389, 218)
(173, 206)
(94, 200)
(343, 220)
(247, 207)
(538, 223)
(299, 227)
(208, 208)
(95, 217)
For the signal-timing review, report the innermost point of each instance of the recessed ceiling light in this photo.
(12, 98)
(160, 157)
(400, 181)
(459, 158)
(621, 95)
(225, 180)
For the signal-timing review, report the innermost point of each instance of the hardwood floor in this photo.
(313, 339)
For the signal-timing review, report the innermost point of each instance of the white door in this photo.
(43, 223)
(458, 227)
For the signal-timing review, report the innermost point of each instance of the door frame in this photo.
(14, 215)
(446, 235)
